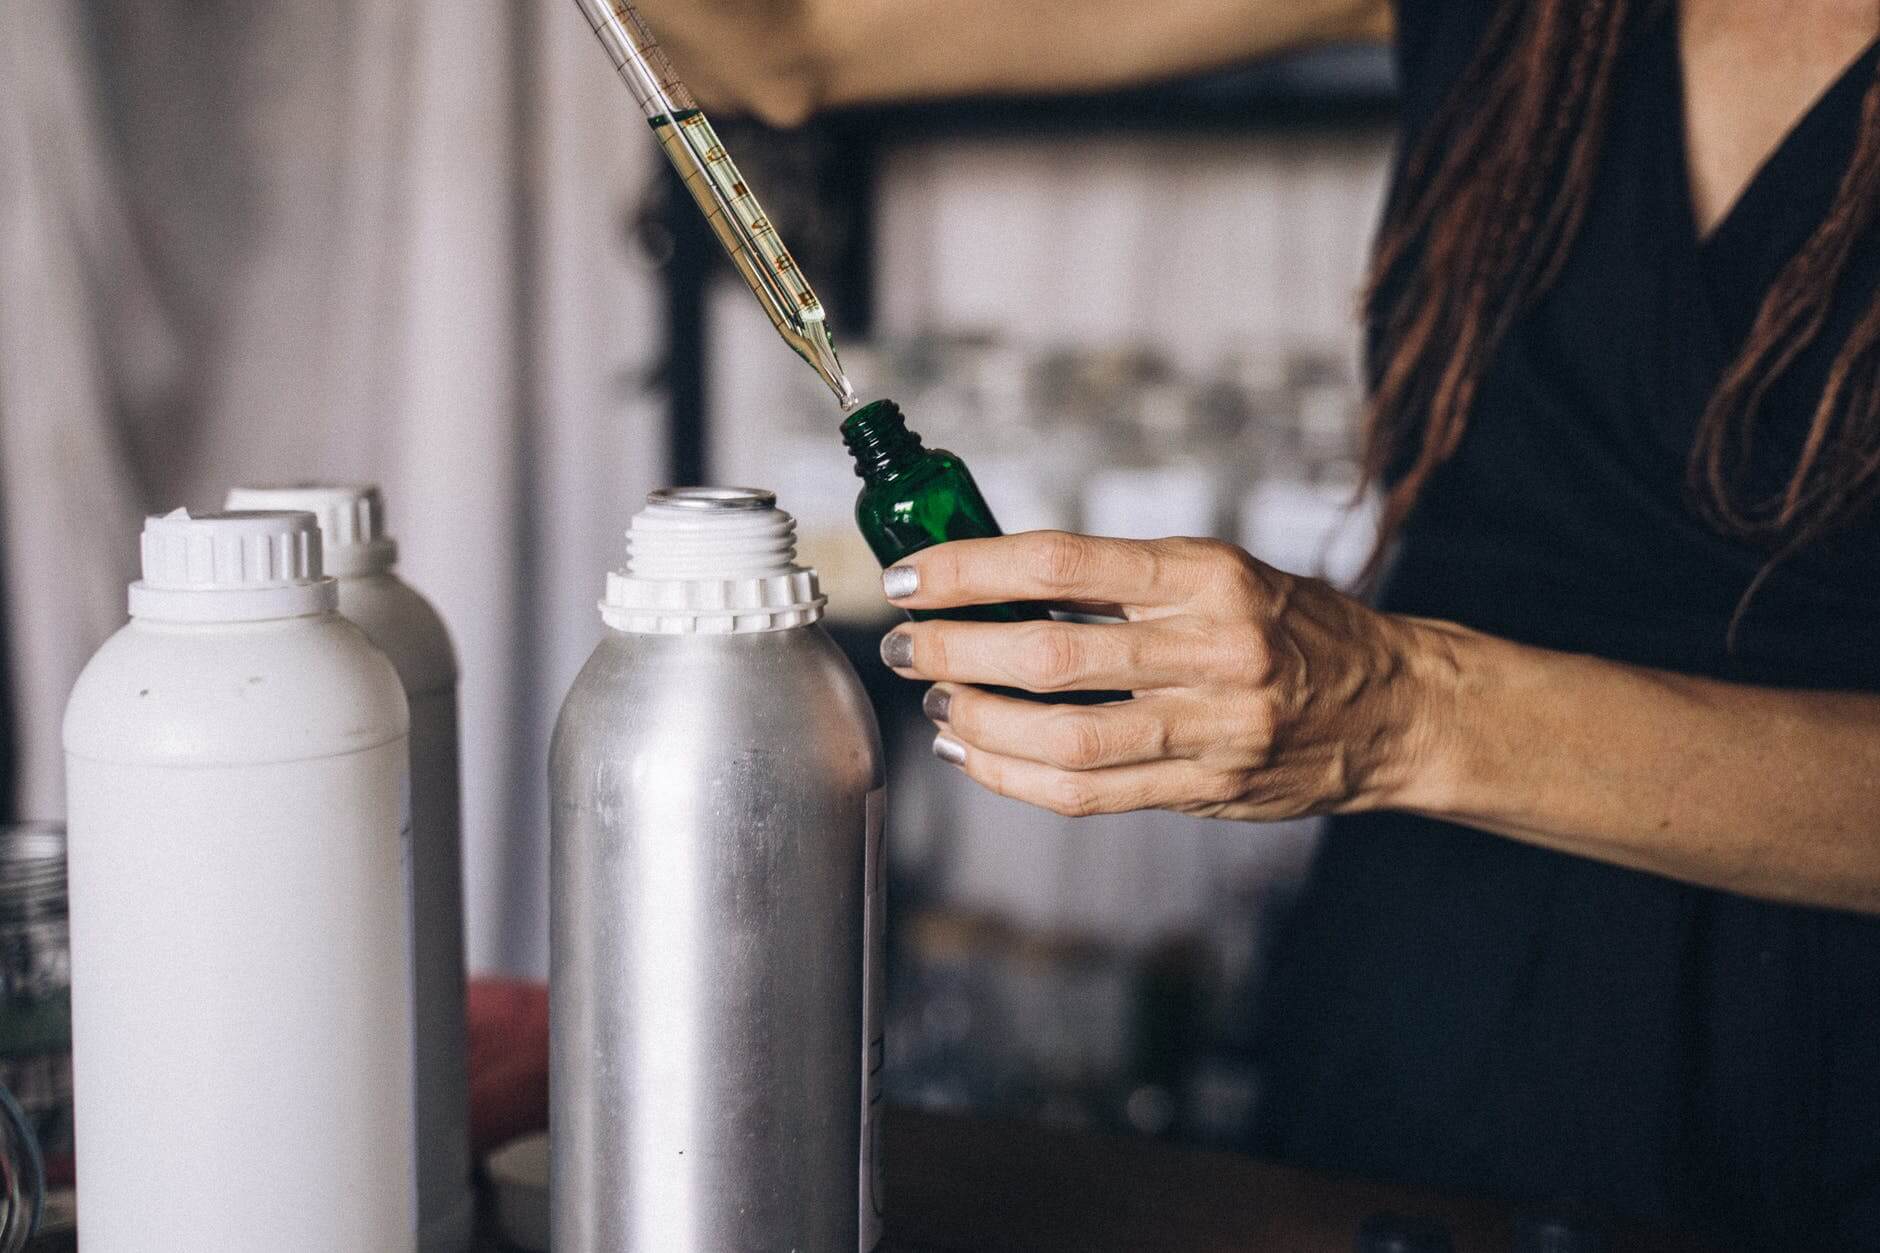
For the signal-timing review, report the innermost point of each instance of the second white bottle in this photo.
(362, 557)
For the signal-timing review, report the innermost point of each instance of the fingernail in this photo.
(949, 750)
(936, 704)
(899, 582)
(897, 649)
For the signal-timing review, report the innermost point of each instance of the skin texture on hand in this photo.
(1258, 694)
(785, 59)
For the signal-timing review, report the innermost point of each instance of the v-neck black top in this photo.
(1457, 1009)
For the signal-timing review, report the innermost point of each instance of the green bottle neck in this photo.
(878, 439)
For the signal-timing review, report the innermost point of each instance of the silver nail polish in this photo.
(900, 581)
(937, 704)
(949, 750)
(897, 649)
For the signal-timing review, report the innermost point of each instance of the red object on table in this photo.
(508, 1060)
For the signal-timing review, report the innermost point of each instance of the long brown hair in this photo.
(1494, 195)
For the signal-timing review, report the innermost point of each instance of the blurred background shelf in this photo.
(1133, 314)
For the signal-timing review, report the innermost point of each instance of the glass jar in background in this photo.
(36, 1004)
(22, 1178)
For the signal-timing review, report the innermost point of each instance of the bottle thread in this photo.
(711, 561)
(878, 439)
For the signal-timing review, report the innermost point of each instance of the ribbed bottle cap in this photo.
(352, 521)
(711, 561)
(231, 567)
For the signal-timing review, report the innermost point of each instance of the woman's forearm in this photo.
(1767, 792)
(784, 59)
(1260, 695)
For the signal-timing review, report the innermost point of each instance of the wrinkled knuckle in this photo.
(1260, 729)
(1139, 651)
(1055, 658)
(1223, 786)
(1072, 796)
(1158, 739)
(1063, 559)
(1276, 659)
(930, 651)
(1246, 656)
(1077, 741)
(1241, 577)
(1218, 572)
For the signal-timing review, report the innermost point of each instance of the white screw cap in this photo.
(229, 567)
(711, 561)
(352, 521)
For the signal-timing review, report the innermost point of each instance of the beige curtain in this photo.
(358, 240)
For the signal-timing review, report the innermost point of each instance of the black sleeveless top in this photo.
(1460, 1010)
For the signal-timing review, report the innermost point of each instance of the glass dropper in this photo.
(739, 221)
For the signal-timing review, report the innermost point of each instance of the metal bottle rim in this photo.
(712, 499)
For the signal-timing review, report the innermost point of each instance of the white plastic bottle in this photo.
(407, 629)
(236, 788)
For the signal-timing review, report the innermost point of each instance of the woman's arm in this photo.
(784, 59)
(1261, 695)
(1764, 791)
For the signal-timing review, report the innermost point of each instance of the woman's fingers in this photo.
(1044, 656)
(1051, 566)
(1069, 737)
(1081, 793)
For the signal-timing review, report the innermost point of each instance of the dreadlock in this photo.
(1491, 202)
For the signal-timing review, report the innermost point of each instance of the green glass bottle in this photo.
(914, 497)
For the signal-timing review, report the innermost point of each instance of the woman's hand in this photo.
(1258, 694)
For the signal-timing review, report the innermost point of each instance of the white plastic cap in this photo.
(711, 561)
(352, 521)
(231, 567)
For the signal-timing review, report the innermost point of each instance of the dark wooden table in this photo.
(970, 1185)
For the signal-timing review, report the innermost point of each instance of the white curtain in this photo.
(350, 240)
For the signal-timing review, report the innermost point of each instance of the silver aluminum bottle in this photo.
(716, 786)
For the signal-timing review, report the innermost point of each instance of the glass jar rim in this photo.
(32, 871)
